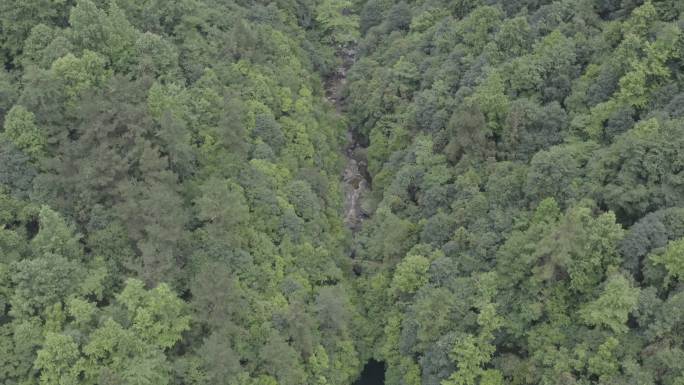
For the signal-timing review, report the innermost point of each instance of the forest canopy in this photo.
(279, 192)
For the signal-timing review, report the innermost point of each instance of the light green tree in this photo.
(672, 258)
(59, 360)
(336, 21)
(410, 274)
(20, 127)
(56, 236)
(611, 309)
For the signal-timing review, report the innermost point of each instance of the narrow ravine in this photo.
(355, 178)
(356, 183)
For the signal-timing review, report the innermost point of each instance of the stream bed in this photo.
(355, 177)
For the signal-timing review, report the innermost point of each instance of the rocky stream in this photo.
(355, 178)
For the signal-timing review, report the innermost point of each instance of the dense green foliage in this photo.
(171, 200)
(528, 174)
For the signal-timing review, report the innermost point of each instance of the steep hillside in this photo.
(336, 192)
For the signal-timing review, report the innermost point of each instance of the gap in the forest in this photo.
(373, 373)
